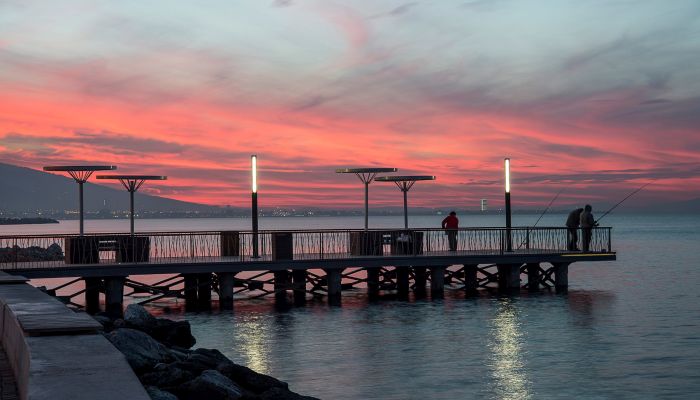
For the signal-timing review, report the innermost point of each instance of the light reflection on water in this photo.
(509, 373)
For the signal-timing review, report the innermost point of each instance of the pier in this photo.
(293, 265)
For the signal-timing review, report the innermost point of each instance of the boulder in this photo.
(157, 394)
(173, 333)
(250, 379)
(166, 376)
(168, 332)
(141, 351)
(210, 385)
(136, 315)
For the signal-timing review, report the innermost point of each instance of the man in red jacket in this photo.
(450, 225)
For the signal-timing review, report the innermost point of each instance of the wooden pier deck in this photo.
(389, 259)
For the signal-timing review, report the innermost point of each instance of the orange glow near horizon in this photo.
(193, 95)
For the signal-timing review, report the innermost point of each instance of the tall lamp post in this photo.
(254, 201)
(509, 240)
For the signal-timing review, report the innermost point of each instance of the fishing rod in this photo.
(543, 213)
(623, 200)
(547, 209)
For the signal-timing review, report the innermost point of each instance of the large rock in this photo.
(166, 376)
(250, 379)
(157, 394)
(137, 315)
(168, 332)
(210, 385)
(141, 351)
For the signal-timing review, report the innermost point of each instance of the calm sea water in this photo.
(626, 329)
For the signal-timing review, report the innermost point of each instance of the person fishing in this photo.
(587, 224)
(572, 223)
(450, 224)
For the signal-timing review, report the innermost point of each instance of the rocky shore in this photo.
(33, 253)
(27, 221)
(160, 353)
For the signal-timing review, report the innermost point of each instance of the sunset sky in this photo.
(597, 97)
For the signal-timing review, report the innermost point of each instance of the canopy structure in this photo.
(366, 175)
(81, 173)
(405, 183)
(132, 183)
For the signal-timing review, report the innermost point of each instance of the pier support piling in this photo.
(114, 296)
(299, 286)
(373, 282)
(470, 282)
(533, 277)
(402, 282)
(420, 280)
(509, 278)
(92, 295)
(437, 282)
(561, 277)
(334, 279)
(281, 285)
(226, 280)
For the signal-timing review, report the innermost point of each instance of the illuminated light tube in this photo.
(254, 169)
(507, 170)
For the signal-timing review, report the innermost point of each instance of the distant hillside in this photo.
(28, 190)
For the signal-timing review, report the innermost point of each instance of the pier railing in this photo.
(41, 251)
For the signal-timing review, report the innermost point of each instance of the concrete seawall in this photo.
(56, 353)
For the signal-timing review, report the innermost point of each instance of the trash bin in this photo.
(366, 243)
(406, 242)
(230, 244)
(82, 250)
(133, 248)
(282, 246)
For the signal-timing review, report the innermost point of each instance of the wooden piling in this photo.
(437, 282)
(281, 285)
(561, 277)
(420, 281)
(373, 282)
(92, 295)
(299, 286)
(470, 281)
(402, 282)
(190, 291)
(533, 277)
(226, 280)
(334, 278)
(114, 296)
(509, 277)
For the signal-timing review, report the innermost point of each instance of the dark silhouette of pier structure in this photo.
(294, 265)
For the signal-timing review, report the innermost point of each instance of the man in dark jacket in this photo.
(572, 223)
(450, 225)
(587, 224)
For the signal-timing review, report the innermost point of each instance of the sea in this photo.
(627, 329)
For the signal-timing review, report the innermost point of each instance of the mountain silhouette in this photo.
(28, 190)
